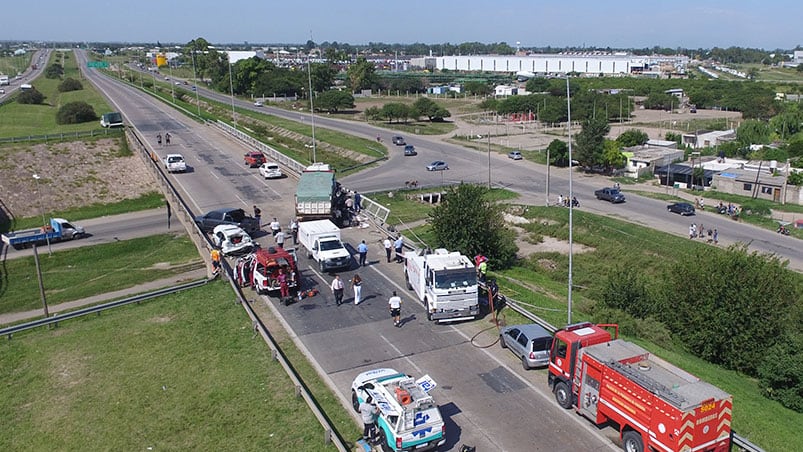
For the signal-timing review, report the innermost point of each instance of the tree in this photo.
(75, 113)
(54, 70)
(660, 101)
(477, 88)
(373, 113)
(30, 96)
(395, 111)
(753, 131)
(632, 137)
(323, 77)
(781, 373)
(334, 101)
(558, 153)
(70, 84)
(537, 85)
(468, 222)
(612, 156)
(432, 110)
(590, 141)
(361, 74)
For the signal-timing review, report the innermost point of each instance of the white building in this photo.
(706, 139)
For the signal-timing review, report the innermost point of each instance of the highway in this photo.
(488, 400)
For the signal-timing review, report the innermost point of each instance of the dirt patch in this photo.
(546, 244)
(72, 174)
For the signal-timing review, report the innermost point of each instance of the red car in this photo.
(254, 159)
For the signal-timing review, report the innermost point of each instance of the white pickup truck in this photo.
(409, 419)
(174, 163)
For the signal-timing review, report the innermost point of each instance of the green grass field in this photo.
(17, 120)
(181, 372)
(81, 272)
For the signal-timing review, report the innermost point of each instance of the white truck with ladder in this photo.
(445, 282)
(409, 419)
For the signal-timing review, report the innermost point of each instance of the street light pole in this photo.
(489, 160)
(42, 209)
(231, 88)
(195, 84)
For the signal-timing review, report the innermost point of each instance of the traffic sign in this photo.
(97, 64)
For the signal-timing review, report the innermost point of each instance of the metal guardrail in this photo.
(737, 440)
(60, 136)
(9, 331)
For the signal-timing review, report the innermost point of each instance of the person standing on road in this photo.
(159, 139)
(294, 230)
(357, 201)
(275, 227)
(337, 289)
(388, 247)
(368, 413)
(280, 239)
(167, 138)
(215, 254)
(258, 215)
(395, 309)
(716, 236)
(362, 248)
(356, 283)
(283, 288)
(399, 245)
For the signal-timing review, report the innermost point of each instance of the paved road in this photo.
(486, 403)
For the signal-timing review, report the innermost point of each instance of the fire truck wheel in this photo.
(562, 395)
(631, 442)
(354, 401)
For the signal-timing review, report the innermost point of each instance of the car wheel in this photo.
(562, 395)
(407, 281)
(355, 402)
(383, 440)
(502, 341)
(632, 442)
(524, 363)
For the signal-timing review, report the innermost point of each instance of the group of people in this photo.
(167, 139)
(701, 232)
(276, 228)
(566, 202)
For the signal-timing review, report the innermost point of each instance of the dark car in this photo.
(410, 150)
(530, 342)
(682, 208)
(208, 221)
(254, 159)
(398, 140)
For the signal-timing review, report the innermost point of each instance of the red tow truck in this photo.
(655, 405)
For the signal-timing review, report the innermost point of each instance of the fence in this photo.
(61, 136)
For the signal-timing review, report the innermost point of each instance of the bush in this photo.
(70, 84)
(75, 113)
(55, 70)
(781, 374)
(30, 96)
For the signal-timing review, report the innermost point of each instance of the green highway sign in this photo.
(98, 64)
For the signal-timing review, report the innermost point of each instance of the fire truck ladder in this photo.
(648, 383)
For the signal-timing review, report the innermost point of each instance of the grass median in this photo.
(181, 372)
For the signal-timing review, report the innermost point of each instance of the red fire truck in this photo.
(260, 270)
(655, 405)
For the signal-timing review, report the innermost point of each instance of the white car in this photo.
(232, 239)
(258, 103)
(174, 163)
(270, 170)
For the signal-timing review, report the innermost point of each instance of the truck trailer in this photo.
(655, 405)
(57, 230)
(446, 283)
(315, 192)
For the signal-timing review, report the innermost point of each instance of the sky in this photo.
(768, 24)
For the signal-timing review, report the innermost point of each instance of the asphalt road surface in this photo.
(487, 402)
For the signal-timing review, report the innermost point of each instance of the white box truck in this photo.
(446, 283)
(321, 238)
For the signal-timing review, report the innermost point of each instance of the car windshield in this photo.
(174, 159)
(330, 245)
(451, 279)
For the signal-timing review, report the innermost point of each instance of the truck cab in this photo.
(566, 346)
(445, 282)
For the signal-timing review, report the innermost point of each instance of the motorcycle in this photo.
(782, 230)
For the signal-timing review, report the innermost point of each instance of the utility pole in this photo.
(41, 283)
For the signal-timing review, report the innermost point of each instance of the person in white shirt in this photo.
(275, 227)
(337, 289)
(395, 309)
(388, 247)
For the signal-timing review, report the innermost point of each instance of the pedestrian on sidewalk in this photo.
(388, 247)
(215, 255)
(362, 248)
(394, 303)
(356, 284)
(337, 290)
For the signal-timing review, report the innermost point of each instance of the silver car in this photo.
(530, 342)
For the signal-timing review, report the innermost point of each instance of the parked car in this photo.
(409, 150)
(232, 240)
(258, 103)
(530, 342)
(437, 165)
(398, 140)
(683, 208)
(237, 217)
(254, 158)
(270, 170)
(515, 155)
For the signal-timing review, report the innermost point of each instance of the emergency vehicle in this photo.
(260, 270)
(446, 283)
(409, 419)
(655, 405)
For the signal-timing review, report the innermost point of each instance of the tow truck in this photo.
(409, 419)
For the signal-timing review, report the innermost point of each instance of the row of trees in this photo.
(399, 112)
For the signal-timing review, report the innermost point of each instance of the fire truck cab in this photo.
(655, 405)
